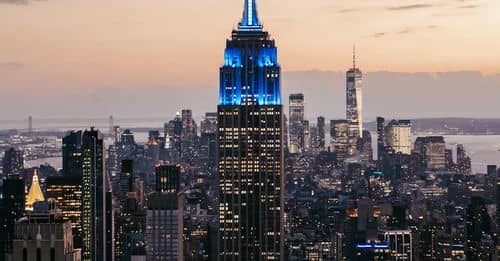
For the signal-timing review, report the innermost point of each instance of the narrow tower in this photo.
(354, 103)
(250, 140)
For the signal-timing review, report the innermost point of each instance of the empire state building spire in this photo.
(250, 20)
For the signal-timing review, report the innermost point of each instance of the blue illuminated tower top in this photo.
(250, 20)
(251, 73)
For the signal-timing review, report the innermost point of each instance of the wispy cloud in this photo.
(11, 65)
(378, 35)
(409, 7)
(404, 30)
(469, 6)
(348, 10)
(18, 2)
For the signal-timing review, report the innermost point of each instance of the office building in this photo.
(67, 193)
(168, 178)
(400, 243)
(13, 162)
(43, 236)
(72, 154)
(164, 226)
(398, 136)
(96, 224)
(354, 100)
(250, 129)
(296, 127)
(432, 152)
(11, 209)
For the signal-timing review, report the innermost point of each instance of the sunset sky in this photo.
(54, 44)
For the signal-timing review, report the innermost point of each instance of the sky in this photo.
(57, 53)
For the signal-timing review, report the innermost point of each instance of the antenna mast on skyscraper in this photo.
(353, 56)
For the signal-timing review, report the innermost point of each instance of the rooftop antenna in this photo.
(353, 56)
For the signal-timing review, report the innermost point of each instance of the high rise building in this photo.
(35, 193)
(13, 162)
(250, 129)
(30, 124)
(188, 136)
(380, 138)
(164, 226)
(339, 134)
(11, 209)
(321, 132)
(398, 136)
(432, 152)
(173, 133)
(72, 154)
(296, 108)
(401, 244)
(208, 140)
(464, 164)
(67, 193)
(354, 103)
(480, 241)
(44, 236)
(168, 178)
(95, 198)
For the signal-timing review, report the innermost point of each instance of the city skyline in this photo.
(246, 181)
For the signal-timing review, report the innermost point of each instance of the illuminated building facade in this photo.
(250, 141)
(354, 102)
(400, 243)
(398, 135)
(67, 193)
(296, 112)
(97, 225)
(168, 178)
(35, 193)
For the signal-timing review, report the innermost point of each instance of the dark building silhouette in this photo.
(11, 209)
(168, 178)
(250, 140)
(13, 162)
(479, 231)
(72, 154)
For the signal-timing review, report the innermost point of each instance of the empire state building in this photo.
(250, 140)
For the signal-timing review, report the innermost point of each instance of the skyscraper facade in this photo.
(296, 110)
(398, 136)
(354, 102)
(67, 193)
(380, 138)
(168, 178)
(95, 190)
(164, 226)
(72, 153)
(321, 132)
(13, 162)
(250, 135)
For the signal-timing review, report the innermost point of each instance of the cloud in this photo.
(409, 7)
(378, 35)
(348, 10)
(406, 30)
(11, 66)
(469, 6)
(17, 2)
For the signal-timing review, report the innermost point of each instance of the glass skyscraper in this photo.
(250, 140)
(354, 100)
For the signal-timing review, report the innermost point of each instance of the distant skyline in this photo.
(389, 94)
(60, 56)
